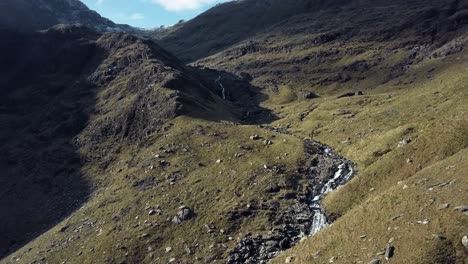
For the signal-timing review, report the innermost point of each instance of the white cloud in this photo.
(183, 5)
(136, 16)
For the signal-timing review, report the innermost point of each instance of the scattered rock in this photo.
(183, 215)
(219, 161)
(375, 261)
(462, 208)
(267, 142)
(239, 155)
(289, 259)
(465, 241)
(310, 95)
(423, 222)
(389, 252)
(168, 249)
(255, 137)
(404, 142)
(444, 206)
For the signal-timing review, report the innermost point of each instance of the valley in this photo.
(319, 132)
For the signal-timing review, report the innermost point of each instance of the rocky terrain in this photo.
(27, 15)
(270, 131)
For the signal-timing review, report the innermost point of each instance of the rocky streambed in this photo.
(325, 172)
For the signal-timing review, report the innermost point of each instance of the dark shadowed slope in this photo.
(45, 102)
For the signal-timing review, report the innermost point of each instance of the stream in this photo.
(325, 172)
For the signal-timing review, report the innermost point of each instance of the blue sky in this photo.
(150, 13)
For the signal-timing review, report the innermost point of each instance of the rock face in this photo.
(16, 14)
(325, 173)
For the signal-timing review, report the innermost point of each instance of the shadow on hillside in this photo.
(42, 108)
(238, 96)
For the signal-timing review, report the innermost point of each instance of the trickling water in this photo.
(306, 218)
(341, 176)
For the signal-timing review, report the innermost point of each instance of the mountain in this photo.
(85, 96)
(298, 132)
(234, 21)
(30, 15)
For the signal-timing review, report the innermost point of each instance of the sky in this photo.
(150, 13)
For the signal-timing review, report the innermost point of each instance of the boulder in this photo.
(184, 214)
(310, 95)
(389, 252)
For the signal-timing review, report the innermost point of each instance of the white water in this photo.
(319, 221)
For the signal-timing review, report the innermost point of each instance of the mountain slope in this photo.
(363, 78)
(72, 97)
(30, 15)
(232, 22)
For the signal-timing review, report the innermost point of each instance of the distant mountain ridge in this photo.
(231, 22)
(31, 15)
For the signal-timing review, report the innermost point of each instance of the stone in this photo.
(285, 243)
(310, 95)
(289, 259)
(404, 142)
(389, 252)
(375, 261)
(63, 229)
(465, 241)
(168, 249)
(184, 214)
(267, 142)
(255, 137)
(462, 208)
(423, 222)
(444, 206)
(152, 212)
